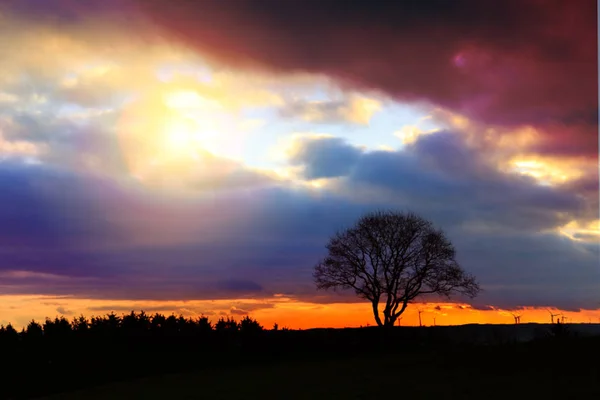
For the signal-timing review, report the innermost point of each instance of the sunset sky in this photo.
(194, 157)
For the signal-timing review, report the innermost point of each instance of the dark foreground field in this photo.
(137, 356)
(533, 372)
(552, 368)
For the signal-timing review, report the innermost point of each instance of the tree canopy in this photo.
(394, 258)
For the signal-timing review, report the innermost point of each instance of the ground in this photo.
(491, 374)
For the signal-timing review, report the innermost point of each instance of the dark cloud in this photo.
(45, 207)
(510, 62)
(440, 176)
(547, 267)
(206, 308)
(151, 309)
(126, 309)
(238, 311)
(324, 157)
(507, 63)
(63, 311)
(250, 307)
(239, 286)
(272, 241)
(482, 307)
(68, 12)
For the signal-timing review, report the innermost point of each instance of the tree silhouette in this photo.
(226, 325)
(34, 331)
(158, 323)
(203, 324)
(110, 348)
(80, 325)
(394, 258)
(136, 324)
(9, 335)
(59, 328)
(249, 325)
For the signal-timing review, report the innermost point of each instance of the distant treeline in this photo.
(59, 355)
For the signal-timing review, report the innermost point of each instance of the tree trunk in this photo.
(376, 312)
(388, 318)
(389, 323)
(393, 316)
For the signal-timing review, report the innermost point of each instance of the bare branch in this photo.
(397, 255)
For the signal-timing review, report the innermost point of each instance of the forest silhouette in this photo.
(62, 355)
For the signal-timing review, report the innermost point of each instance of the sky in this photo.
(195, 157)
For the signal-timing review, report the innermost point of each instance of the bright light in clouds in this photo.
(180, 136)
(582, 232)
(164, 133)
(410, 133)
(545, 172)
(362, 109)
(196, 125)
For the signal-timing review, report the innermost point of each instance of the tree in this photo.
(249, 325)
(226, 325)
(393, 258)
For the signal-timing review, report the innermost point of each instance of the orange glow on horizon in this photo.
(284, 311)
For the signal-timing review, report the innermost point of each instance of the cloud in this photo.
(249, 308)
(541, 72)
(239, 285)
(323, 156)
(77, 141)
(237, 311)
(439, 174)
(95, 205)
(164, 248)
(458, 55)
(186, 308)
(352, 109)
(37, 203)
(63, 311)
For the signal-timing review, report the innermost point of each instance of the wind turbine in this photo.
(552, 316)
(517, 318)
(420, 312)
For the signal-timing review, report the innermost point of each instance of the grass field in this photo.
(490, 374)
